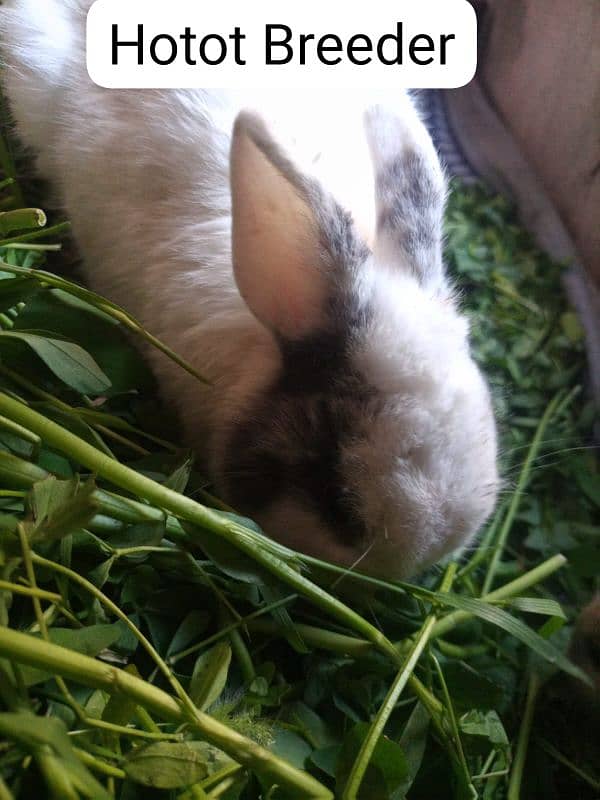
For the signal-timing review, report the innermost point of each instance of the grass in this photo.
(155, 644)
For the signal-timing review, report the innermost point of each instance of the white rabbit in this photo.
(290, 247)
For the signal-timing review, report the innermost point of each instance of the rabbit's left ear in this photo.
(410, 193)
(281, 265)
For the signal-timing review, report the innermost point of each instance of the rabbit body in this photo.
(289, 247)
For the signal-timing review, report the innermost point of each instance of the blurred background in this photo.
(529, 125)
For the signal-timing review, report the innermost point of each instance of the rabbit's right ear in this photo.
(281, 267)
(410, 193)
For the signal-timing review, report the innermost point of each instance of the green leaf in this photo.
(538, 605)
(100, 574)
(105, 342)
(16, 290)
(119, 710)
(166, 765)
(471, 689)
(178, 480)
(488, 725)
(229, 559)
(590, 484)
(60, 508)
(572, 326)
(81, 305)
(90, 641)
(210, 675)
(16, 473)
(189, 630)
(327, 759)
(387, 770)
(291, 747)
(40, 735)
(312, 726)
(109, 308)
(272, 593)
(144, 534)
(72, 422)
(413, 743)
(67, 360)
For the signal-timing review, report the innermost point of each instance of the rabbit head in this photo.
(373, 441)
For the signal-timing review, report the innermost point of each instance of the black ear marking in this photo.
(410, 192)
(410, 211)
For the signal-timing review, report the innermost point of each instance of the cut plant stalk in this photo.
(21, 219)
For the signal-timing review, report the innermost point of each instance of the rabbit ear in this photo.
(280, 264)
(410, 193)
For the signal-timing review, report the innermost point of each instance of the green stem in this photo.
(217, 777)
(146, 721)
(512, 589)
(132, 733)
(558, 756)
(483, 550)
(53, 230)
(5, 793)
(23, 433)
(172, 660)
(17, 588)
(318, 637)
(238, 648)
(559, 401)
(29, 650)
(460, 761)
(36, 248)
(98, 765)
(376, 730)
(516, 775)
(8, 692)
(223, 787)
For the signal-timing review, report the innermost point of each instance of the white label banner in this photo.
(236, 44)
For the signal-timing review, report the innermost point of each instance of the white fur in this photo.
(145, 179)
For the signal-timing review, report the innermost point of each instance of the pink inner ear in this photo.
(278, 263)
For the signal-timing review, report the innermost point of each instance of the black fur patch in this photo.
(411, 207)
(291, 443)
(291, 447)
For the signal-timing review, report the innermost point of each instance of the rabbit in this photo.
(289, 246)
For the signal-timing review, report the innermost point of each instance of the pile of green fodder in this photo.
(155, 645)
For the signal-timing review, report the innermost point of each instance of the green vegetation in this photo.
(154, 645)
